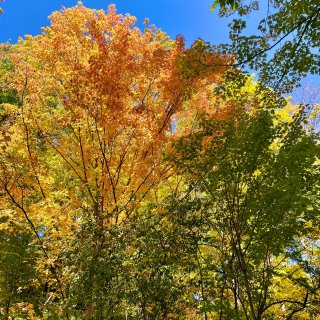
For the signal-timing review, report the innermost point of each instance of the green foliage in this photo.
(234, 4)
(253, 187)
(19, 281)
(216, 220)
(285, 46)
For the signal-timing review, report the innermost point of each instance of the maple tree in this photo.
(284, 46)
(250, 204)
(140, 180)
(83, 145)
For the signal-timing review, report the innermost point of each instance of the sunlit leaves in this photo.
(285, 46)
(139, 180)
(252, 184)
(85, 122)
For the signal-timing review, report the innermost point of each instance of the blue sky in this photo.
(191, 18)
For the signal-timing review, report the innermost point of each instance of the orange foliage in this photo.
(97, 101)
(102, 94)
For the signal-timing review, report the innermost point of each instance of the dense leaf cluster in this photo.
(136, 182)
(285, 46)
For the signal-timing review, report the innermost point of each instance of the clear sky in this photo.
(191, 18)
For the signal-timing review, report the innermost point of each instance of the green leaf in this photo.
(214, 5)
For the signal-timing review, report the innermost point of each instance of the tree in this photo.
(250, 203)
(139, 180)
(96, 97)
(285, 46)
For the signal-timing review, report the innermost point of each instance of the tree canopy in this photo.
(140, 179)
(285, 45)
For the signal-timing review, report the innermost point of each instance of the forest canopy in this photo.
(140, 179)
